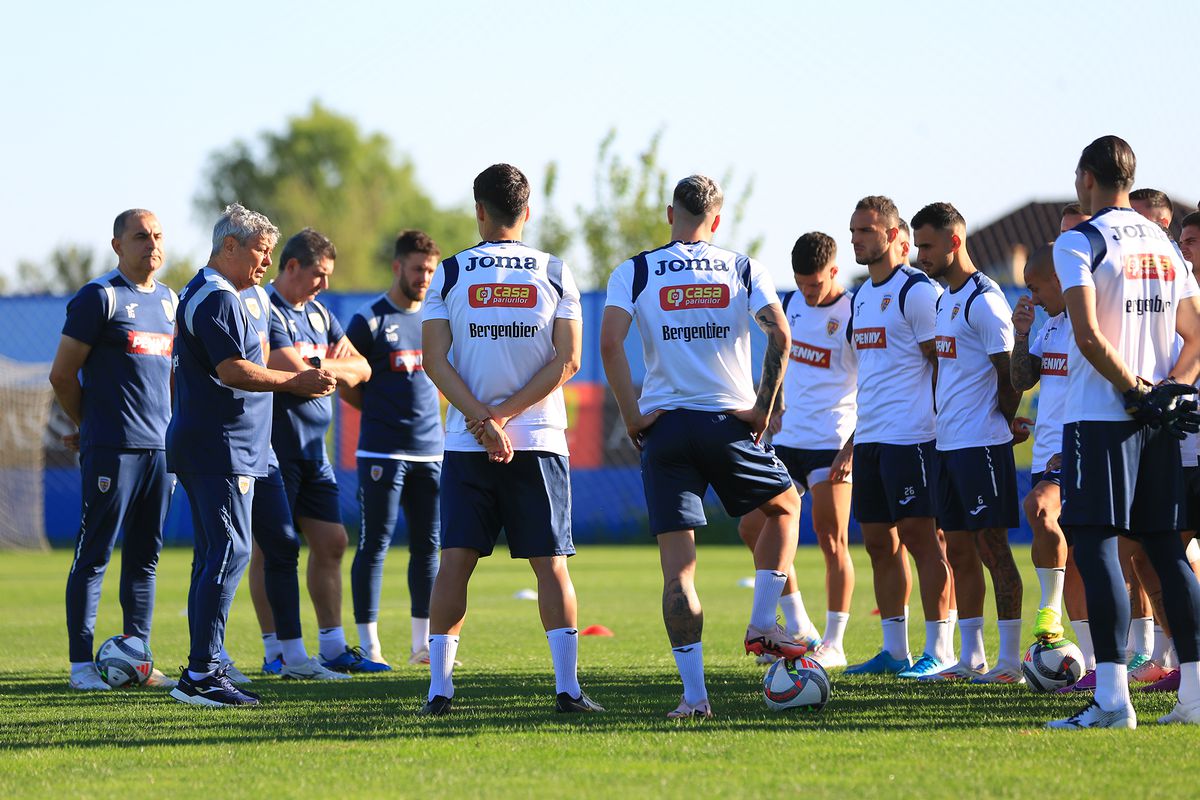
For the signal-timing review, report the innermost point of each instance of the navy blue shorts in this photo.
(1191, 480)
(687, 451)
(312, 489)
(807, 467)
(977, 488)
(529, 498)
(893, 481)
(1049, 476)
(1121, 475)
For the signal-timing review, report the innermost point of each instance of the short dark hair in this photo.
(903, 226)
(1191, 219)
(941, 216)
(812, 252)
(1154, 198)
(1111, 161)
(308, 247)
(883, 206)
(123, 219)
(1071, 209)
(414, 241)
(504, 192)
(698, 195)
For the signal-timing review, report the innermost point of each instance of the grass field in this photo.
(361, 738)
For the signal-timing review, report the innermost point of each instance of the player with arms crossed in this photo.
(816, 417)
(976, 473)
(1128, 293)
(400, 443)
(218, 441)
(698, 421)
(111, 375)
(892, 330)
(502, 332)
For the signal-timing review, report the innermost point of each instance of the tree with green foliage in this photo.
(66, 269)
(323, 171)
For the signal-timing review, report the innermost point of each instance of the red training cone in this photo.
(595, 630)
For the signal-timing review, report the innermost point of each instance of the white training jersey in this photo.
(692, 303)
(895, 380)
(974, 322)
(1052, 345)
(1139, 277)
(501, 299)
(821, 381)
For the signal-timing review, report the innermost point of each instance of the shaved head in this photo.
(1041, 262)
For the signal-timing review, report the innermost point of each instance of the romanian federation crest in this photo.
(243, 483)
(318, 321)
(103, 483)
(376, 472)
(831, 326)
(253, 307)
(168, 309)
(885, 302)
(954, 311)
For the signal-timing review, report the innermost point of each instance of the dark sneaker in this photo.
(436, 707)
(215, 691)
(565, 704)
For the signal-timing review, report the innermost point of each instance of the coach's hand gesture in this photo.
(312, 383)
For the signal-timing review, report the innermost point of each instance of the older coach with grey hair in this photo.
(219, 437)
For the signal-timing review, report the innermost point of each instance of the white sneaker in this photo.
(311, 670)
(829, 656)
(158, 680)
(686, 710)
(88, 680)
(958, 672)
(234, 674)
(420, 658)
(1181, 714)
(1001, 673)
(766, 659)
(1093, 716)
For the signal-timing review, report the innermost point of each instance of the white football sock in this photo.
(970, 651)
(1170, 657)
(937, 637)
(331, 642)
(292, 651)
(271, 649)
(947, 655)
(198, 676)
(1160, 645)
(1140, 631)
(81, 666)
(442, 649)
(1112, 686)
(1083, 633)
(368, 640)
(795, 616)
(1189, 682)
(1010, 642)
(420, 633)
(1051, 580)
(690, 660)
(564, 653)
(768, 585)
(835, 627)
(895, 636)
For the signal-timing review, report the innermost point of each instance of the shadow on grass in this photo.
(38, 713)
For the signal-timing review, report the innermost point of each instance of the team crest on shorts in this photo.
(103, 483)
(243, 484)
(318, 322)
(376, 472)
(954, 311)
(885, 302)
(831, 326)
(168, 309)
(253, 307)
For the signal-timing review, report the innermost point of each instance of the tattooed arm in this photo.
(1008, 397)
(774, 324)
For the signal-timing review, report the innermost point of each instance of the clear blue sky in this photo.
(111, 106)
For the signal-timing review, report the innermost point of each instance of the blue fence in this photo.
(607, 493)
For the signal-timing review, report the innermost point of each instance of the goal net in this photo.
(25, 400)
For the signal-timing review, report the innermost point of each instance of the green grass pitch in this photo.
(877, 737)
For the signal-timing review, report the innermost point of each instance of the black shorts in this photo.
(977, 488)
(1121, 475)
(312, 489)
(893, 481)
(529, 498)
(1191, 480)
(686, 451)
(807, 467)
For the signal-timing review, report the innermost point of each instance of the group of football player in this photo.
(899, 398)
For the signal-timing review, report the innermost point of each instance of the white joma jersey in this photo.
(1139, 277)
(895, 380)
(692, 304)
(821, 381)
(1052, 345)
(501, 299)
(974, 322)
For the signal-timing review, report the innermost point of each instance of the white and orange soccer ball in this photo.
(800, 683)
(124, 661)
